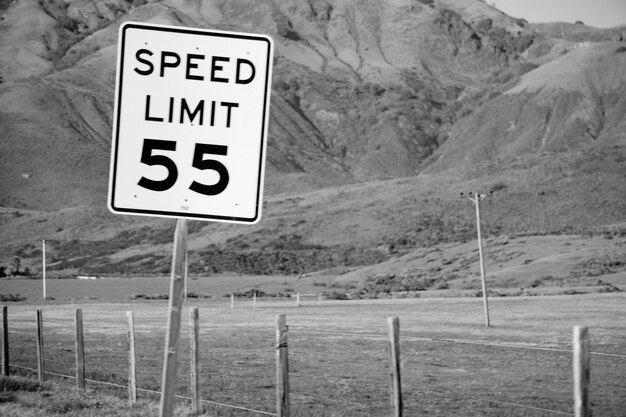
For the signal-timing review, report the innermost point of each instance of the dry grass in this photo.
(531, 265)
(452, 364)
(24, 397)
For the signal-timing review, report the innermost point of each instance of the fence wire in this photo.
(235, 356)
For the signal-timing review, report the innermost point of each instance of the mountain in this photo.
(382, 112)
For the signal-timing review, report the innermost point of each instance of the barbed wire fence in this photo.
(238, 374)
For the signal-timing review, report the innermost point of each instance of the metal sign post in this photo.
(189, 139)
(175, 305)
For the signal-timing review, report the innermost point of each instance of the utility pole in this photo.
(477, 198)
(43, 251)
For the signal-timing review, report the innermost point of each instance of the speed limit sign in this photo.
(190, 123)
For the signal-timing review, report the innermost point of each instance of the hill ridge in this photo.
(380, 115)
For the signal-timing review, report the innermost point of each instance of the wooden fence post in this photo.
(39, 345)
(80, 350)
(298, 299)
(175, 305)
(5, 341)
(132, 364)
(582, 361)
(394, 348)
(282, 367)
(194, 368)
(232, 301)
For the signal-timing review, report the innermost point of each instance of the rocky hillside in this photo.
(381, 113)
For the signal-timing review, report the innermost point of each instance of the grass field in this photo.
(533, 265)
(125, 289)
(452, 365)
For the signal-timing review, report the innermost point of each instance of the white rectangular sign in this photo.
(190, 123)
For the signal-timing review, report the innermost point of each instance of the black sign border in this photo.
(118, 102)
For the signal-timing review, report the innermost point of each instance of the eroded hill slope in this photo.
(381, 113)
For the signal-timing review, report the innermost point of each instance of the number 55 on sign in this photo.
(190, 123)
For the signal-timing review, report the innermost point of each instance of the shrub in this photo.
(16, 383)
(149, 297)
(16, 263)
(381, 286)
(248, 294)
(607, 288)
(442, 286)
(490, 293)
(69, 23)
(607, 264)
(335, 295)
(498, 187)
(196, 295)
(11, 298)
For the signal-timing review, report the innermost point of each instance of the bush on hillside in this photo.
(11, 298)
(335, 295)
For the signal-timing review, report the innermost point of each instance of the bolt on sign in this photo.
(190, 123)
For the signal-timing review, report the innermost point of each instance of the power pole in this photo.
(477, 198)
(43, 260)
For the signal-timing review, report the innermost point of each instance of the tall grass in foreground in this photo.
(25, 397)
